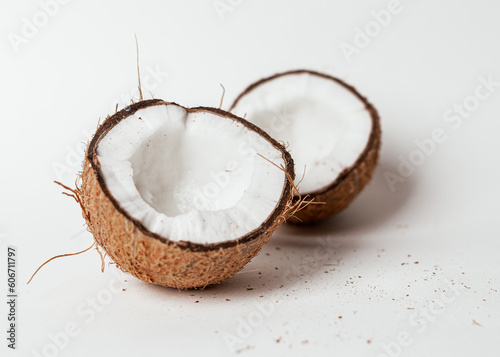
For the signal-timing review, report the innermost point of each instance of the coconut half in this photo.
(332, 132)
(183, 197)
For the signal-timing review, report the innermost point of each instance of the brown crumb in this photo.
(197, 301)
(340, 317)
(228, 300)
(244, 349)
(278, 340)
(249, 288)
(416, 262)
(369, 341)
(305, 342)
(124, 289)
(474, 322)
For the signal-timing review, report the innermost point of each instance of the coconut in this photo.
(332, 132)
(183, 197)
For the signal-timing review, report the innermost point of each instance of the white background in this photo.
(359, 266)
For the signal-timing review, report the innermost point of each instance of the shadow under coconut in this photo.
(282, 265)
(373, 207)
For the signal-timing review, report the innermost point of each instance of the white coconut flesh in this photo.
(191, 176)
(324, 125)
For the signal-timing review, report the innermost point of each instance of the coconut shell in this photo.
(156, 259)
(335, 197)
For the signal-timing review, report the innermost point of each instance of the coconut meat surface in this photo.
(324, 126)
(191, 176)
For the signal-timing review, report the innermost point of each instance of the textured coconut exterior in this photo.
(155, 259)
(339, 194)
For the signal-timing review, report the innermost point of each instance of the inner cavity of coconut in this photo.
(323, 124)
(191, 176)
